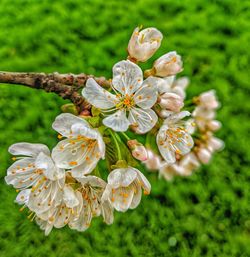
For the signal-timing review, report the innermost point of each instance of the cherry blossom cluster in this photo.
(140, 121)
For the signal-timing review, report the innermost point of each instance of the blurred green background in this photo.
(206, 214)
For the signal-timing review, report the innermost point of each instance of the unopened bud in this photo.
(171, 101)
(138, 151)
(214, 125)
(143, 44)
(168, 64)
(208, 100)
(204, 155)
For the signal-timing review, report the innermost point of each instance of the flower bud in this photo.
(168, 64)
(139, 152)
(171, 101)
(143, 44)
(214, 125)
(215, 144)
(204, 155)
(208, 100)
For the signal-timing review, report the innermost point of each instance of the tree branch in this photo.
(66, 86)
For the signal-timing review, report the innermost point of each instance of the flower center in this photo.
(126, 102)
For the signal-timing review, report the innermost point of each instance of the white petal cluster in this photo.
(82, 148)
(173, 138)
(124, 188)
(132, 102)
(65, 187)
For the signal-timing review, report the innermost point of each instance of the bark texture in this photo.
(66, 86)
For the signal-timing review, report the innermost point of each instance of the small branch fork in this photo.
(66, 86)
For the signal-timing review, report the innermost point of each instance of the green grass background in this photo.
(206, 214)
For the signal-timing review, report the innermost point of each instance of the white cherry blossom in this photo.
(61, 214)
(82, 149)
(173, 138)
(91, 190)
(36, 174)
(133, 96)
(143, 44)
(124, 188)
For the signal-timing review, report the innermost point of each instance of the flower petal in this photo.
(79, 129)
(107, 212)
(146, 96)
(23, 196)
(175, 117)
(21, 174)
(166, 150)
(127, 77)
(46, 164)
(98, 96)
(28, 149)
(70, 153)
(117, 121)
(69, 197)
(143, 181)
(137, 196)
(84, 169)
(93, 181)
(122, 198)
(164, 84)
(63, 123)
(142, 120)
(121, 177)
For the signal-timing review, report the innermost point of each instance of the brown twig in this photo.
(66, 86)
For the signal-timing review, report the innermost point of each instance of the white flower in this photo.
(184, 167)
(61, 214)
(132, 95)
(173, 138)
(208, 100)
(83, 147)
(168, 64)
(38, 172)
(91, 192)
(124, 188)
(143, 44)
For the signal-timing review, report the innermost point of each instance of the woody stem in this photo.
(66, 86)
